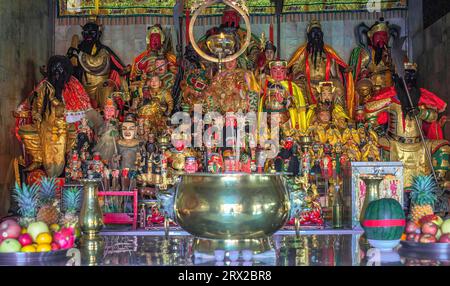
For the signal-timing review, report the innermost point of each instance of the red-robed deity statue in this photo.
(315, 62)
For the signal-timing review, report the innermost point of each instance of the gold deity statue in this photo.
(402, 141)
(55, 105)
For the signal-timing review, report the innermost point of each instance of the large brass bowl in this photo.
(231, 206)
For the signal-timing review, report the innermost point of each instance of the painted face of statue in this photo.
(155, 41)
(161, 66)
(380, 39)
(109, 112)
(410, 77)
(231, 19)
(270, 55)
(128, 130)
(91, 32)
(231, 65)
(278, 73)
(326, 96)
(155, 82)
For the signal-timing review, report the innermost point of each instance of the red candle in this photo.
(188, 20)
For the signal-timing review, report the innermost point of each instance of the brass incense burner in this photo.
(231, 210)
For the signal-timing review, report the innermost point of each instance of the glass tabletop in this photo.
(287, 250)
(180, 250)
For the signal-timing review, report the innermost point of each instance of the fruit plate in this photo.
(54, 258)
(432, 250)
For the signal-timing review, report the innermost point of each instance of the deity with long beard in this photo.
(402, 142)
(55, 105)
(372, 59)
(146, 62)
(315, 62)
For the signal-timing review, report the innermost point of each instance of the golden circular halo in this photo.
(200, 51)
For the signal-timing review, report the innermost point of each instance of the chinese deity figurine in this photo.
(230, 25)
(287, 160)
(73, 169)
(266, 56)
(55, 104)
(195, 79)
(128, 146)
(167, 76)
(96, 167)
(158, 107)
(317, 62)
(108, 133)
(96, 65)
(284, 97)
(321, 117)
(372, 59)
(371, 150)
(402, 141)
(232, 90)
(146, 61)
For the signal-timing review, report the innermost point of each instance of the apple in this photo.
(412, 227)
(10, 229)
(437, 220)
(445, 226)
(445, 238)
(25, 239)
(10, 245)
(427, 238)
(429, 228)
(35, 228)
(411, 237)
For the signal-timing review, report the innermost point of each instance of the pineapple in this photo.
(48, 211)
(27, 200)
(71, 203)
(423, 197)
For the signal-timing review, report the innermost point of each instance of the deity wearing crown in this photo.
(157, 48)
(315, 62)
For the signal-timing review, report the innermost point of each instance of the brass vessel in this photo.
(91, 217)
(231, 206)
(372, 183)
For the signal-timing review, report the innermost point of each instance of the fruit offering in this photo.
(429, 229)
(36, 238)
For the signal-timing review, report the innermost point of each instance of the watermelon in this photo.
(384, 219)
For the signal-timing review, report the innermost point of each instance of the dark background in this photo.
(433, 10)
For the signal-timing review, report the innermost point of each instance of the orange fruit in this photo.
(28, 248)
(44, 247)
(55, 227)
(44, 238)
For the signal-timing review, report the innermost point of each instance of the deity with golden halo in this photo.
(402, 142)
(230, 24)
(315, 62)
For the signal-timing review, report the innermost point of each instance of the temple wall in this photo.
(26, 41)
(433, 59)
(126, 36)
